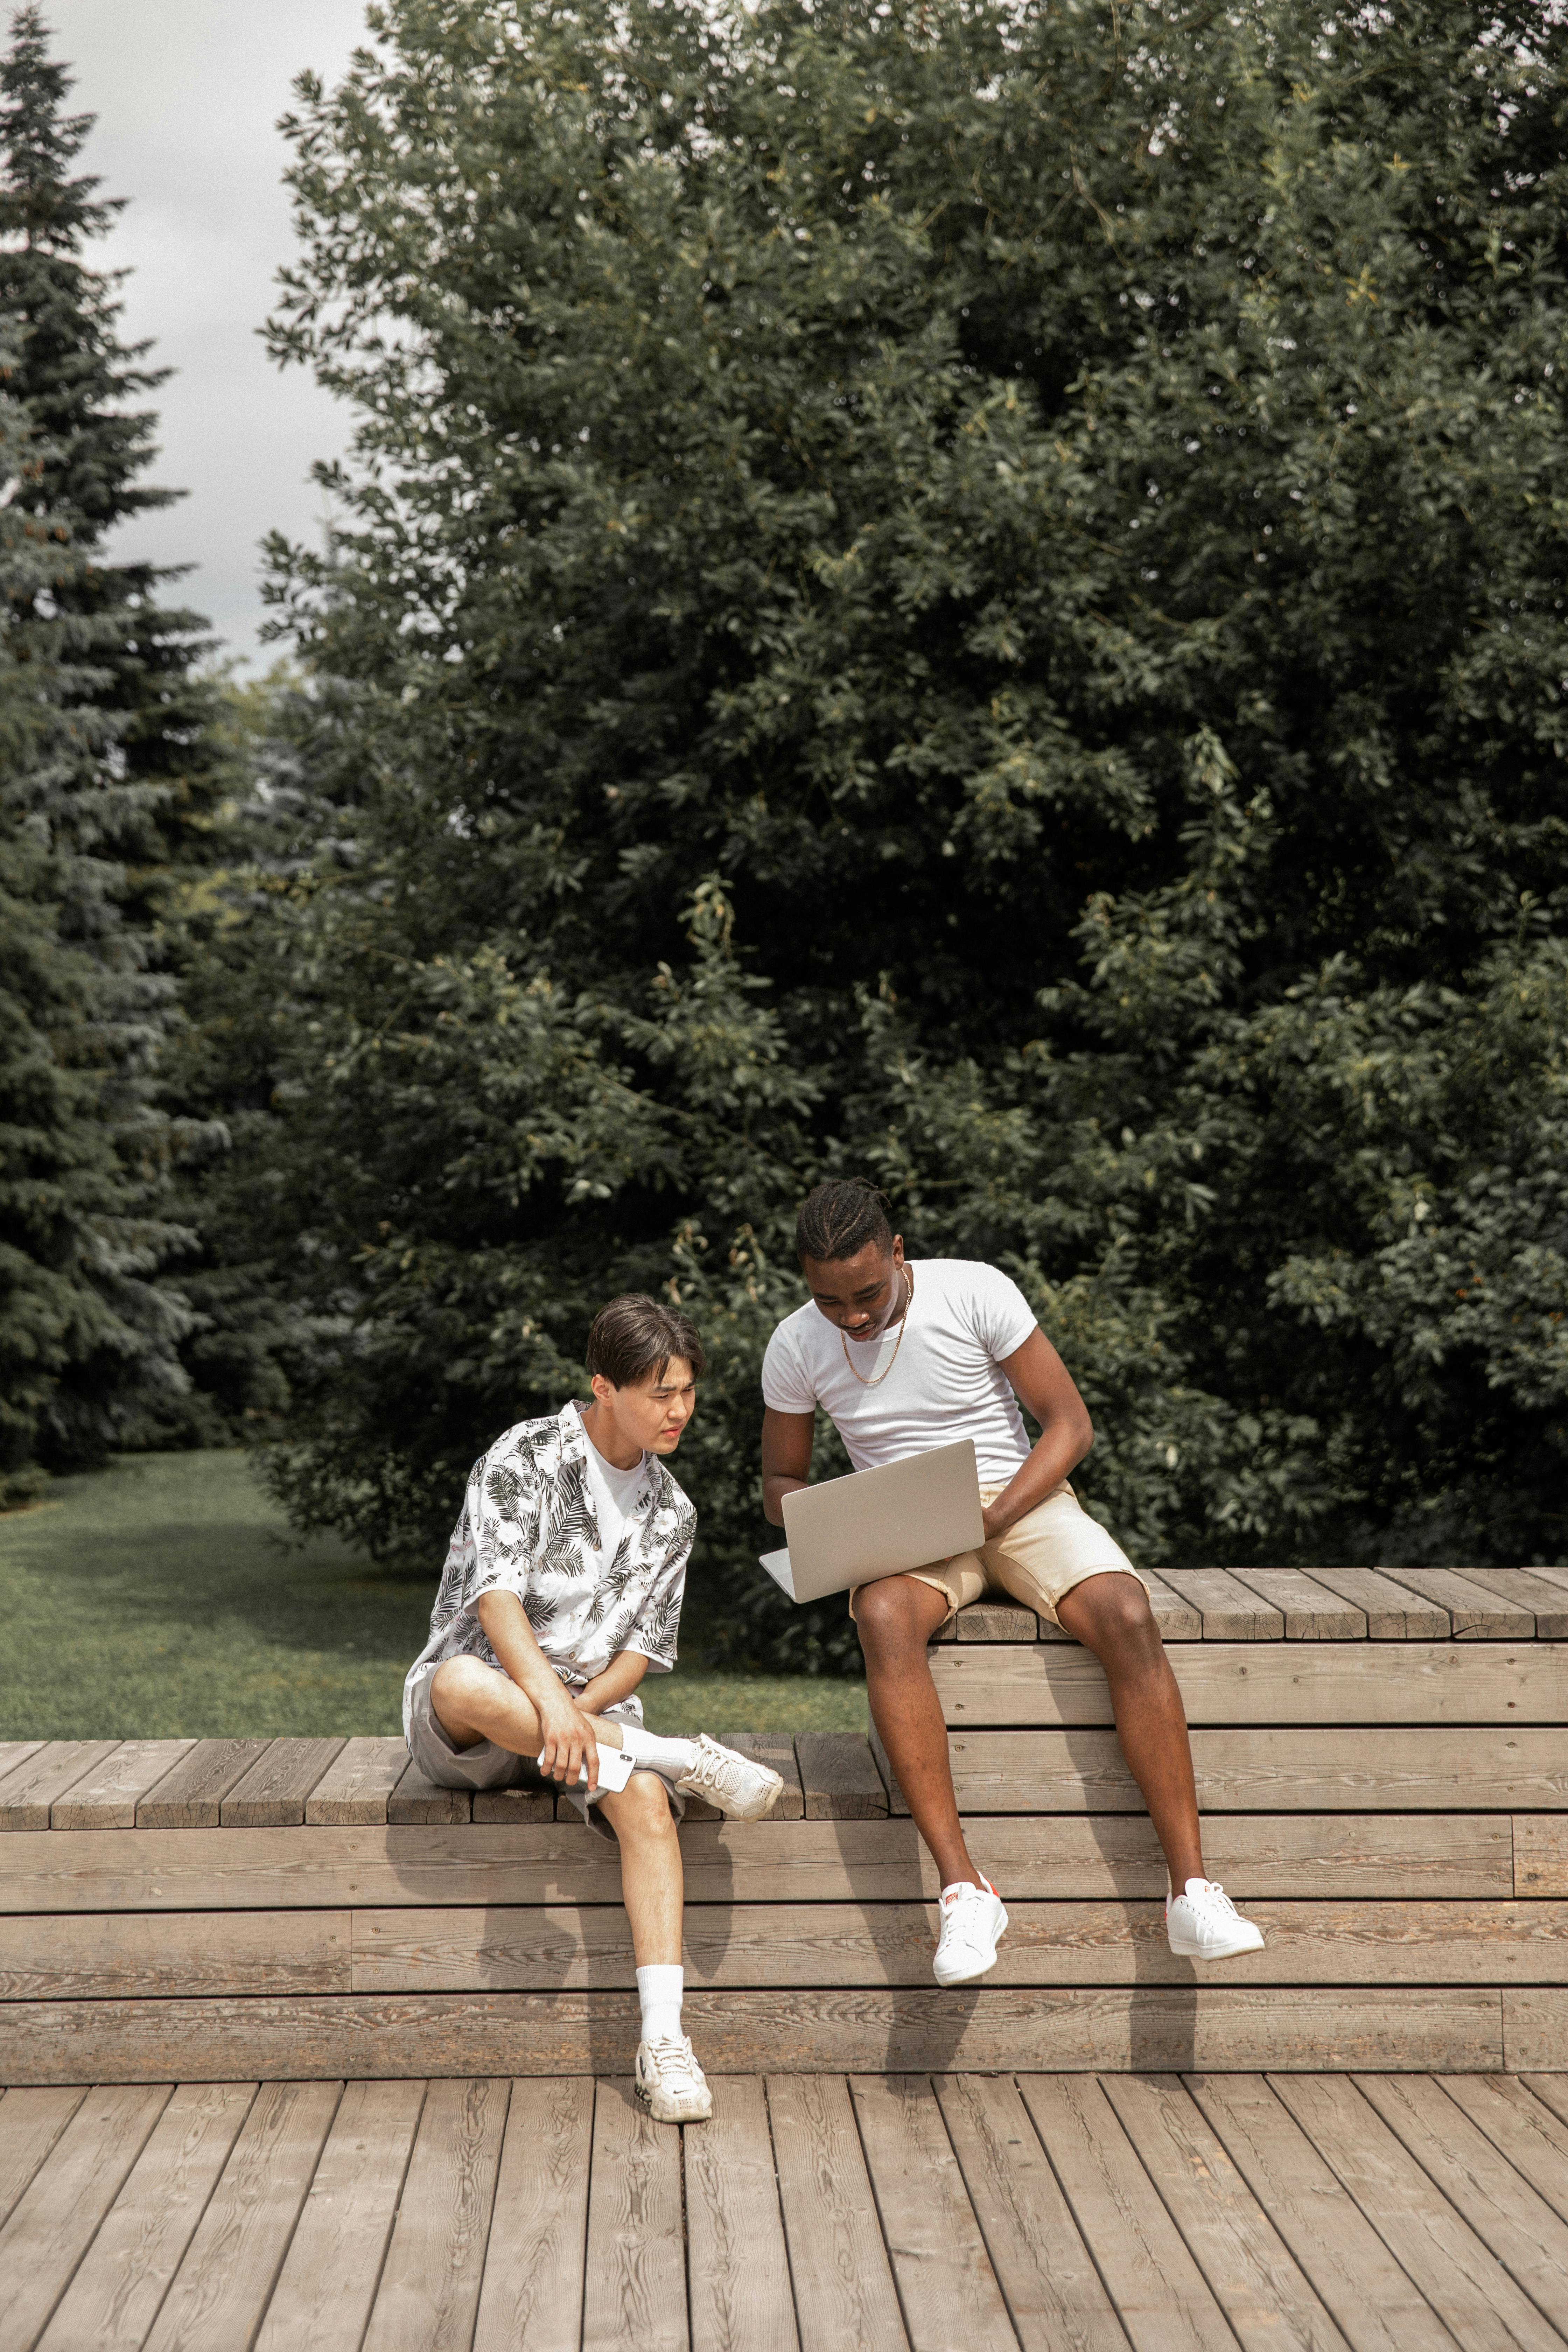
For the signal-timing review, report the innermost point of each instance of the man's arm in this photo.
(1043, 1383)
(618, 1681)
(786, 1458)
(568, 1740)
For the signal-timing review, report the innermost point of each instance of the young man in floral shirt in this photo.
(561, 1589)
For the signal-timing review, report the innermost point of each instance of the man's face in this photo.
(860, 1293)
(652, 1414)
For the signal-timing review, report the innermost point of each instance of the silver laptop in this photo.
(849, 1531)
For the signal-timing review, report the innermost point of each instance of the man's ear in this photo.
(603, 1389)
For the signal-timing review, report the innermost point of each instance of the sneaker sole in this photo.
(1217, 1951)
(703, 2116)
(761, 1812)
(950, 1984)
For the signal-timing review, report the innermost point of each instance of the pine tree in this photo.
(109, 791)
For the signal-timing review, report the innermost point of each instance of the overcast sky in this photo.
(186, 93)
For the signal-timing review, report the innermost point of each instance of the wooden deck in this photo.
(815, 2214)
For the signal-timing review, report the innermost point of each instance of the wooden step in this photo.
(1237, 1684)
(1286, 1855)
(397, 2037)
(1479, 1767)
(552, 1947)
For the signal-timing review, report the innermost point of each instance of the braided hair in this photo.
(838, 1219)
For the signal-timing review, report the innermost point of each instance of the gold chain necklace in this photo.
(903, 1327)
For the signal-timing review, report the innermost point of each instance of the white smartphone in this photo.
(614, 1768)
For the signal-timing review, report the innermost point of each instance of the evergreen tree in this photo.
(108, 791)
(975, 593)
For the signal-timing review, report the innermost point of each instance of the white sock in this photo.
(659, 1990)
(673, 1757)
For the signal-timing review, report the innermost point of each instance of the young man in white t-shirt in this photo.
(906, 1356)
(561, 1590)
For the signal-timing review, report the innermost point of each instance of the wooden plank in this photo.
(1250, 2271)
(1177, 1618)
(775, 1749)
(190, 1796)
(566, 1947)
(429, 2290)
(107, 1799)
(737, 2266)
(844, 2291)
(838, 1777)
(115, 2296)
(55, 2220)
(415, 1799)
(531, 2298)
(1474, 1613)
(328, 2282)
(1478, 2301)
(1502, 2209)
(1542, 1597)
(110, 1955)
(273, 1792)
(905, 2029)
(1165, 2303)
(1277, 1854)
(1236, 1684)
(518, 1806)
(635, 2291)
(1312, 1612)
(1054, 2291)
(1339, 2250)
(1551, 2091)
(995, 1620)
(1532, 2137)
(353, 1792)
(27, 1793)
(1433, 1768)
(1539, 1853)
(1535, 2029)
(570, 1947)
(221, 2288)
(1392, 1613)
(30, 2123)
(946, 2283)
(14, 1752)
(1228, 1610)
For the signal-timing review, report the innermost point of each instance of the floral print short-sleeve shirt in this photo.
(528, 1526)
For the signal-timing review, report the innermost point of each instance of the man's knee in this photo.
(1124, 1623)
(895, 1618)
(455, 1686)
(641, 1810)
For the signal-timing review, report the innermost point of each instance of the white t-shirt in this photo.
(946, 1383)
(614, 1493)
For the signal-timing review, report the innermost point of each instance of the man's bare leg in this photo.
(472, 1702)
(652, 1887)
(896, 1618)
(1110, 1615)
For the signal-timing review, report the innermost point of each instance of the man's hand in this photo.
(569, 1741)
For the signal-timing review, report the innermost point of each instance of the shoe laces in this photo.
(957, 1900)
(721, 1768)
(677, 2062)
(1215, 1898)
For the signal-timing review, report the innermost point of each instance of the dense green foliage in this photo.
(967, 592)
(108, 783)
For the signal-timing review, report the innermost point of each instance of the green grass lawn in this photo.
(163, 1598)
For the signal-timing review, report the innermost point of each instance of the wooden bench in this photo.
(1381, 1762)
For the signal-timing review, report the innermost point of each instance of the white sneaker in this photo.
(742, 1790)
(670, 2084)
(1204, 1924)
(973, 1924)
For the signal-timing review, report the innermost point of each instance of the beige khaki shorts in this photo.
(1043, 1555)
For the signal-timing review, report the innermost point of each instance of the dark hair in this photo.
(838, 1218)
(634, 1336)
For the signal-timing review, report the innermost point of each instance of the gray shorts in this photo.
(486, 1766)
